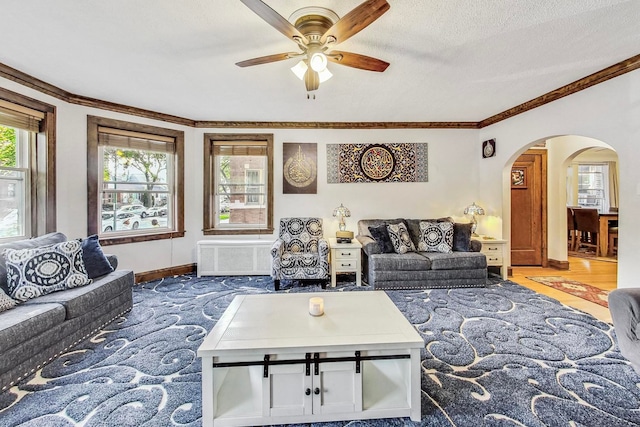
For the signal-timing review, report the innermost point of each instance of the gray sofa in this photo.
(624, 305)
(36, 331)
(419, 270)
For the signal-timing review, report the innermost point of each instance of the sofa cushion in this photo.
(95, 261)
(78, 301)
(39, 271)
(381, 236)
(299, 260)
(411, 261)
(36, 242)
(400, 238)
(6, 302)
(456, 260)
(27, 321)
(462, 237)
(436, 236)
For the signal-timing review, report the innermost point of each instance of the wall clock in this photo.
(489, 148)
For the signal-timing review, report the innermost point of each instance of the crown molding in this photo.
(337, 125)
(608, 73)
(56, 92)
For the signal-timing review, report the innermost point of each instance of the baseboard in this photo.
(558, 265)
(165, 272)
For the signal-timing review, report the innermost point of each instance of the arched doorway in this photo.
(561, 152)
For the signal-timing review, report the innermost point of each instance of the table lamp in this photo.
(473, 210)
(342, 236)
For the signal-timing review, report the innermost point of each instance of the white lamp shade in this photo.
(318, 62)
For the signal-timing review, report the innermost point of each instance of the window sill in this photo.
(107, 241)
(236, 231)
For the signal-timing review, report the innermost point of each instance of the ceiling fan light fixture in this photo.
(324, 75)
(299, 69)
(318, 62)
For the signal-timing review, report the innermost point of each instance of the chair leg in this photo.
(323, 284)
(276, 284)
(612, 244)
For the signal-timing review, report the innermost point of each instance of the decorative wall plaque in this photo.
(518, 178)
(299, 171)
(402, 162)
(489, 148)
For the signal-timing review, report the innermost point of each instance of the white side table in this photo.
(345, 258)
(495, 251)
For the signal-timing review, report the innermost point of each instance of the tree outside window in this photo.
(14, 188)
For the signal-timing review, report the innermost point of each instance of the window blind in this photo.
(17, 116)
(240, 148)
(135, 140)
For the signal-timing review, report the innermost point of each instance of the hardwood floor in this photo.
(601, 274)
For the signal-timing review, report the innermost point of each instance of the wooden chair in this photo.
(587, 226)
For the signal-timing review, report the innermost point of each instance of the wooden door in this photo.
(529, 209)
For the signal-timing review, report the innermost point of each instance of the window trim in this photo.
(209, 227)
(42, 203)
(93, 173)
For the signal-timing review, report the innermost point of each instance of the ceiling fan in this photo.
(316, 31)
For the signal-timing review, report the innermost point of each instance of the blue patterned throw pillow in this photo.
(39, 271)
(400, 238)
(436, 237)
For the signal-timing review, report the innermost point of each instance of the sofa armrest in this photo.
(276, 248)
(624, 305)
(369, 245)
(323, 248)
(476, 245)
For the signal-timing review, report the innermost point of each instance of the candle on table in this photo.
(316, 306)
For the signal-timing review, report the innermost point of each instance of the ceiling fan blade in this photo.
(356, 20)
(311, 80)
(266, 59)
(356, 60)
(274, 19)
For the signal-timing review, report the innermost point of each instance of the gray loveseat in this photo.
(419, 270)
(36, 331)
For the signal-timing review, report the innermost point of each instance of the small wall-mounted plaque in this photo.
(489, 148)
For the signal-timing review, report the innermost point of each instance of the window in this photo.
(135, 181)
(255, 187)
(592, 185)
(238, 187)
(27, 170)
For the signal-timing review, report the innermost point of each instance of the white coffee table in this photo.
(267, 361)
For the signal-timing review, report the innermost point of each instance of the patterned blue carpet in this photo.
(496, 356)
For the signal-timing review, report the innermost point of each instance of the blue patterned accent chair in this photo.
(300, 253)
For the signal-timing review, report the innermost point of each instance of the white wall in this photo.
(452, 181)
(608, 112)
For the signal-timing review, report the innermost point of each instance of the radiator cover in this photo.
(234, 257)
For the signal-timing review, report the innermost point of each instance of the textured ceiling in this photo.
(451, 60)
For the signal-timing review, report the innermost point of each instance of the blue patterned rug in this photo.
(496, 356)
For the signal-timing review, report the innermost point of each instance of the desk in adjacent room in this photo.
(603, 234)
